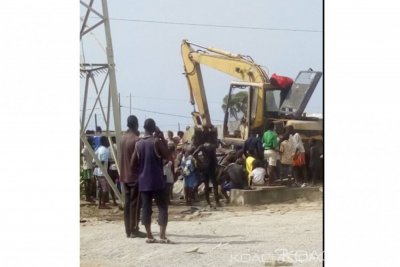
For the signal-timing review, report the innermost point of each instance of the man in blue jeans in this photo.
(147, 159)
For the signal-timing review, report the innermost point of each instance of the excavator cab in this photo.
(282, 106)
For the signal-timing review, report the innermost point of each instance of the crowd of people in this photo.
(282, 158)
(94, 180)
(151, 164)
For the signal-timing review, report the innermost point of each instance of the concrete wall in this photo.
(273, 194)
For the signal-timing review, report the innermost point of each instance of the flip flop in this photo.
(165, 241)
(151, 241)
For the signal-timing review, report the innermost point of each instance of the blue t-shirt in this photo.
(96, 142)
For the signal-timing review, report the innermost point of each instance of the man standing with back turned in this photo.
(147, 158)
(270, 144)
(130, 180)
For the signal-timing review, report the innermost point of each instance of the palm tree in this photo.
(237, 104)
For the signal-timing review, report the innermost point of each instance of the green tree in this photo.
(237, 104)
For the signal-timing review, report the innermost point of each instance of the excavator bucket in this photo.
(300, 93)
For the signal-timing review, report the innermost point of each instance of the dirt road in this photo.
(280, 234)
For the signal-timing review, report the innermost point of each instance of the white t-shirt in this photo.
(296, 143)
(258, 175)
(102, 154)
(86, 159)
(168, 172)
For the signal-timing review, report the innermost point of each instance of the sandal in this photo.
(165, 241)
(151, 241)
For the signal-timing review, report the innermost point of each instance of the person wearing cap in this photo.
(148, 160)
(129, 179)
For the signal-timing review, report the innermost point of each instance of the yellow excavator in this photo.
(251, 100)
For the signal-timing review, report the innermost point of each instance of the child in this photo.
(258, 173)
(189, 174)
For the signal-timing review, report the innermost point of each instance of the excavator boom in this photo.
(240, 67)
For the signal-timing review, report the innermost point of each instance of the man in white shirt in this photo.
(299, 159)
(286, 159)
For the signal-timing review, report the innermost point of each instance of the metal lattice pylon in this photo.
(104, 74)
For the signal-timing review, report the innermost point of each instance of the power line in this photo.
(155, 112)
(215, 25)
(160, 98)
(150, 111)
(161, 113)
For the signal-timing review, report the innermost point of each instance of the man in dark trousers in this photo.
(314, 162)
(147, 158)
(129, 178)
(206, 157)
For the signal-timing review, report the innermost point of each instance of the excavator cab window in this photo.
(235, 106)
(297, 97)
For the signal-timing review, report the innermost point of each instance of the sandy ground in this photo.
(268, 235)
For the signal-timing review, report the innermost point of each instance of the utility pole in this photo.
(95, 120)
(99, 78)
(130, 104)
(119, 102)
(179, 126)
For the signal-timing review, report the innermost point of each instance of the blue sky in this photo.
(149, 64)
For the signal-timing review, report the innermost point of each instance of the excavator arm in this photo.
(238, 66)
